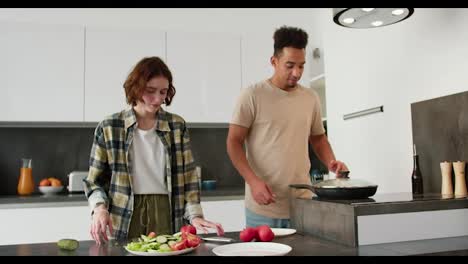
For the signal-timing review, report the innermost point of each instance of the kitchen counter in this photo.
(79, 199)
(302, 245)
(383, 218)
(399, 203)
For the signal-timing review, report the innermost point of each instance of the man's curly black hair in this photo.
(289, 37)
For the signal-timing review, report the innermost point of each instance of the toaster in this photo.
(75, 181)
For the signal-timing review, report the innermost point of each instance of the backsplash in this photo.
(440, 132)
(209, 152)
(57, 151)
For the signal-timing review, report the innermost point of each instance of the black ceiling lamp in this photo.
(370, 17)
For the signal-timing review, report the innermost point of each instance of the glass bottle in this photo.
(26, 183)
(416, 177)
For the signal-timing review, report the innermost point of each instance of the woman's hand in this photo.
(101, 220)
(200, 223)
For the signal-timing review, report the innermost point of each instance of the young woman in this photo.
(142, 175)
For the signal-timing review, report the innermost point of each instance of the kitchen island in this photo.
(302, 245)
(382, 218)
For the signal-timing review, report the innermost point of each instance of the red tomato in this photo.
(191, 240)
(179, 245)
(248, 234)
(188, 229)
(265, 234)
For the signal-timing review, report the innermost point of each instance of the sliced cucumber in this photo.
(161, 239)
(164, 248)
(171, 243)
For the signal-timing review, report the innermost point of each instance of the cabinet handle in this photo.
(363, 112)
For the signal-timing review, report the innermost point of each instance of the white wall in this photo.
(420, 58)
(240, 20)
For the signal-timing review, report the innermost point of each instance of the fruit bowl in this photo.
(48, 190)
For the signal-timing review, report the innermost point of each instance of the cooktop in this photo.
(389, 198)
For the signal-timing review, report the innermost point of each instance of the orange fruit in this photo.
(56, 182)
(44, 182)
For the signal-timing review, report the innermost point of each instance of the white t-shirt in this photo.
(148, 162)
(280, 123)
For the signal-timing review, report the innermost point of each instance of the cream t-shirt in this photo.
(279, 123)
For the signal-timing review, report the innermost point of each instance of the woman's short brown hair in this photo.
(145, 70)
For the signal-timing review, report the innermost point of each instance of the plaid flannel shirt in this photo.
(109, 180)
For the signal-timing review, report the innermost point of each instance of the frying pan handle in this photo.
(301, 186)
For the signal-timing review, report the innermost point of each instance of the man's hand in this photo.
(202, 224)
(261, 192)
(336, 166)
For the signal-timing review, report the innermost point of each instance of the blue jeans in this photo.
(253, 220)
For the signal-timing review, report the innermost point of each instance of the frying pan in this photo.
(341, 188)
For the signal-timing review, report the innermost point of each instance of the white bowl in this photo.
(50, 189)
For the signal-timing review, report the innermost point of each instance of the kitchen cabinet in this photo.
(257, 49)
(230, 214)
(110, 56)
(41, 72)
(206, 68)
(42, 225)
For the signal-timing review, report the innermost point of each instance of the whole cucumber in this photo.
(68, 244)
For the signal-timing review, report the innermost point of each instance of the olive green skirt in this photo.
(151, 213)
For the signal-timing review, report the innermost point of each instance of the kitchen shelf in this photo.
(319, 77)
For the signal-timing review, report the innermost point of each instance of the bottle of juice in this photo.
(26, 183)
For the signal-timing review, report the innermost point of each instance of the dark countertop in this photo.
(302, 245)
(38, 200)
(221, 193)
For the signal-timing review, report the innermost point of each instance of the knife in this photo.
(219, 239)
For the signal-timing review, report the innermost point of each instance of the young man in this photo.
(277, 118)
(142, 176)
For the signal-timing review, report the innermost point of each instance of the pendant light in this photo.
(370, 17)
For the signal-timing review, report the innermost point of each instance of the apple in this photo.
(188, 229)
(248, 234)
(265, 234)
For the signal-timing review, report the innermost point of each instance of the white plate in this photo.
(253, 249)
(279, 232)
(170, 253)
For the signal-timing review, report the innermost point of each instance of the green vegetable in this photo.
(161, 239)
(160, 243)
(164, 248)
(171, 243)
(68, 244)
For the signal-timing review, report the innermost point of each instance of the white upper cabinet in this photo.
(41, 72)
(206, 68)
(110, 56)
(257, 50)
